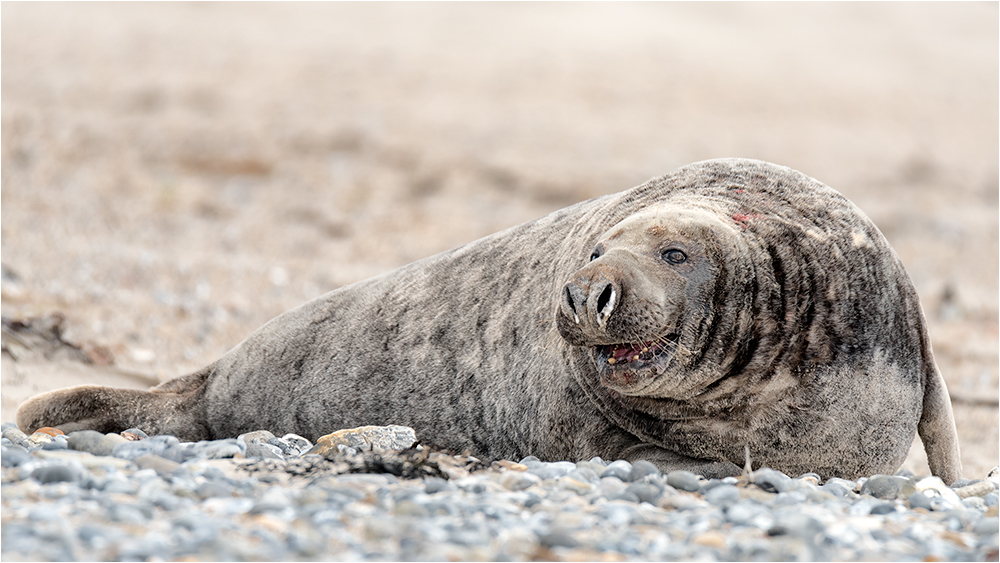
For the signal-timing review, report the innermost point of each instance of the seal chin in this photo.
(628, 368)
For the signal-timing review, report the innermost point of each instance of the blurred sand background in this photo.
(174, 175)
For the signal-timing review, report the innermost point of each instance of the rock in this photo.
(133, 434)
(619, 468)
(974, 489)
(255, 437)
(16, 436)
(884, 486)
(723, 496)
(436, 485)
(641, 469)
(518, 480)
(919, 500)
(285, 448)
(92, 441)
(163, 467)
(684, 481)
(771, 481)
(551, 470)
(836, 489)
(217, 449)
(302, 444)
(39, 439)
(645, 492)
(262, 450)
(883, 508)
(941, 495)
(373, 438)
(134, 450)
(570, 484)
(558, 538)
(57, 473)
(13, 455)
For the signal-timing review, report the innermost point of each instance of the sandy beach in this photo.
(175, 175)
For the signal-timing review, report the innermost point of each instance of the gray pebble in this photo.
(551, 470)
(134, 450)
(836, 489)
(771, 481)
(519, 480)
(991, 499)
(884, 486)
(300, 443)
(919, 500)
(92, 441)
(262, 450)
(684, 481)
(16, 437)
(257, 436)
(135, 432)
(436, 485)
(723, 496)
(162, 466)
(217, 449)
(851, 486)
(286, 448)
(14, 455)
(57, 473)
(986, 526)
(883, 508)
(619, 468)
(641, 469)
(558, 538)
(645, 492)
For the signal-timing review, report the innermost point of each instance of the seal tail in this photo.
(171, 408)
(937, 429)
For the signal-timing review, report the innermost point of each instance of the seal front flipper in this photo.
(107, 409)
(667, 461)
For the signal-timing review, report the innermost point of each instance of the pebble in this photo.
(155, 498)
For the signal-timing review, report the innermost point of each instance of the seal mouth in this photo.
(626, 364)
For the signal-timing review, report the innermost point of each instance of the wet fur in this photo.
(812, 347)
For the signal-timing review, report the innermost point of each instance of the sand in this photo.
(174, 175)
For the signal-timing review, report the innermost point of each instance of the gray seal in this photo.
(733, 309)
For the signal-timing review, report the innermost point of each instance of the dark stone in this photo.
(771, 481)
(883, 508)
(91, 441)
(684, 481)
(56, 474)
(14, 455)
(884, 486)
(641, 469)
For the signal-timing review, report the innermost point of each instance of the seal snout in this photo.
(590, 301)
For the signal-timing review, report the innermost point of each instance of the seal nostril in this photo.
(605, 299)
(568, 295)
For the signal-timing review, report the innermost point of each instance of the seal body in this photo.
(731, 309)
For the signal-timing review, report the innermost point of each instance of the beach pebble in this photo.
(684, 481)
(219, 504)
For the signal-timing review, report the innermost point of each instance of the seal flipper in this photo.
(937, 429)
(107, 409)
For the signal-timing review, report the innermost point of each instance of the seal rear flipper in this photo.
(107, 409)
(937, 429)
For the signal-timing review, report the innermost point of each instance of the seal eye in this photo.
(674, 256)
(596, 254)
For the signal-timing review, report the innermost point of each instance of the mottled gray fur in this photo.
(788, 328)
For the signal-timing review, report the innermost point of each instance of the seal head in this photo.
(644, 304)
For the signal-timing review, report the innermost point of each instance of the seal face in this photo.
(648, 278)
(731, 309)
